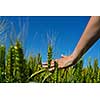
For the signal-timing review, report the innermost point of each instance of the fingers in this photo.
(51, 69)
(63, 62)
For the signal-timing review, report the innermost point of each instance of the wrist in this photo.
(74, 58)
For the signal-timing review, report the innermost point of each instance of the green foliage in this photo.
(89, 75)
(78, 72)
(2, 63)
(49, 55)
(15, 68)
(19, 65)
(56, 72)
(10, 64)
(95, 70)
(46, 77)
(36, 73)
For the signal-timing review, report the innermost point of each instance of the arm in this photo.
(89, 37)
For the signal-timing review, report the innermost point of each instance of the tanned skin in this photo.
(90, 35)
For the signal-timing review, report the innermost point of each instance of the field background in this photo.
(25, 44)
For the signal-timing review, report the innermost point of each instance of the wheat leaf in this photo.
(37, 72)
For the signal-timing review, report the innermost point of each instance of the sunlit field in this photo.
(18, 67)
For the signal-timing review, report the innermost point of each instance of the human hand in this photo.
(63, 62)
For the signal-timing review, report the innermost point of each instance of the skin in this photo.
(90, 35)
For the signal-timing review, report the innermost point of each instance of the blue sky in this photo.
(65, 32)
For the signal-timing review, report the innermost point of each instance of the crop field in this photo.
(15, 68)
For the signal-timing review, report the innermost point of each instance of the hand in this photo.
(63, 62)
